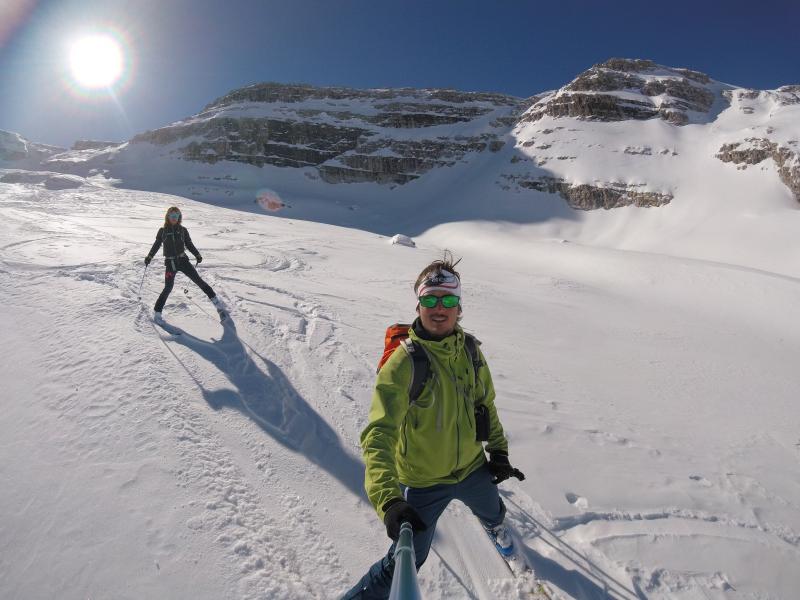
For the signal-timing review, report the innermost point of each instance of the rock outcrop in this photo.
(753, 151)
(93, 145)
(582, 196)
(623, 89)
(348, 135)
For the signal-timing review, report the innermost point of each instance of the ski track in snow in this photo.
(234, 448)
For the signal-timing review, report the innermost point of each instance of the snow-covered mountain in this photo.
(614, 135)
(609, 138)
(17, 151)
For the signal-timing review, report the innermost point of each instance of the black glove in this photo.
(147, 260)
(501, 469)
(398, 511)
(199, 259)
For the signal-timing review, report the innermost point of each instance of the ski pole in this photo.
(404, 580)
(142, 283)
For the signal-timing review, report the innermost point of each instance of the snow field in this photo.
(650, 400)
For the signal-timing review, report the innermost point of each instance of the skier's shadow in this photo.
(586, 582)
(268, 397)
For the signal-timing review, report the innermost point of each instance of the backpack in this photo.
(397, 335)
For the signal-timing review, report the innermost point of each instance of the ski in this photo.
(527, 582)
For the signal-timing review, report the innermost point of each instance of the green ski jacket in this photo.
(433, 440)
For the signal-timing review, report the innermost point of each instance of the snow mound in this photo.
(403, 240)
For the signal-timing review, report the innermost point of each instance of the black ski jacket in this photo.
(176, 241)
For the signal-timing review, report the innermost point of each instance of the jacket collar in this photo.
(447, 347)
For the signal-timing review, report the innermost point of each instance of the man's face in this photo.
(439, 321)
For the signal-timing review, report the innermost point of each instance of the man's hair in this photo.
(446, 263)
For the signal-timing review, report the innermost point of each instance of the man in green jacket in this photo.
(422, 453)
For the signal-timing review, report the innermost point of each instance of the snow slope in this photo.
(650, 399)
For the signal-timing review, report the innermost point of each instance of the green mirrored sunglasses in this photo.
(448, 301)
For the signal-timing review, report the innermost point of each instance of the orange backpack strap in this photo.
(397, 335)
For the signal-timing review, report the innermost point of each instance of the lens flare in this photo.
(96, 61)
(13, 15)
(269, 200)
(99, 63)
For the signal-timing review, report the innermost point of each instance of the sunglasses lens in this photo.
(450, 301)
(428, 301)
(174, 215)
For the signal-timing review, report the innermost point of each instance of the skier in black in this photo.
(176, 240)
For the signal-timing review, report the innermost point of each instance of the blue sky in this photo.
(186, 53)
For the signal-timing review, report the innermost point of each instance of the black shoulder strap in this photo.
(420, 369)
(471, 343)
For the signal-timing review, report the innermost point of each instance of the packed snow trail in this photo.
(651, 401)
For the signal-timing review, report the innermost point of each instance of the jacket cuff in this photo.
(498, 456)
(389, 503)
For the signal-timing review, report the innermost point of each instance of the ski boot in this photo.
(223, 312)
(502, 539)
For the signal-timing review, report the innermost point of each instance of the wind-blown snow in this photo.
(650, 399)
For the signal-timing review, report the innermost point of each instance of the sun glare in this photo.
(96, 61)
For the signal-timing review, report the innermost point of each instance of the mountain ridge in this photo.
(301, 139)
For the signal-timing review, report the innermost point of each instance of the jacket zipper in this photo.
(440, 408)
(466, 408)
(458, 444)
(405, 437)
(458, 426)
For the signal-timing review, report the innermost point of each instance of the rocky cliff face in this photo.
(775, 115)
(753, 151)
(583, 196)
(347, 135)
(622, 89)
(93, 145)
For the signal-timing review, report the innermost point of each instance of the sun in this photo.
(96, 61)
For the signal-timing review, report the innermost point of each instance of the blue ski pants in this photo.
(476, 491)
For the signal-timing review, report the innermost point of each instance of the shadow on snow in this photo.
(268, 397)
